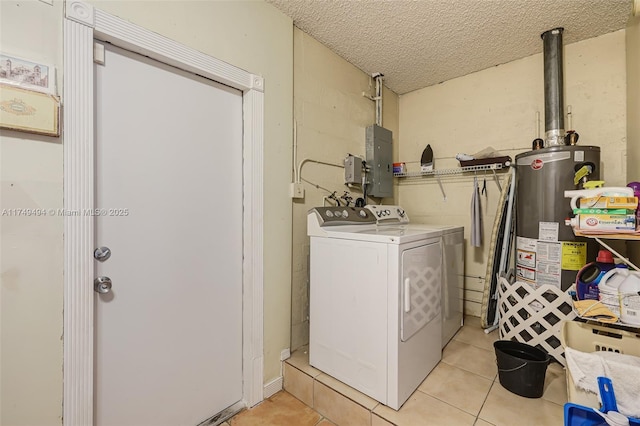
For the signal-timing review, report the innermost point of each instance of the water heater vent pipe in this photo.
(553, 87)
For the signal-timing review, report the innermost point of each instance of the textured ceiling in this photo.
(420, 43)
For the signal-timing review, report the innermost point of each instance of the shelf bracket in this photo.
(444, 195)
(495, 177)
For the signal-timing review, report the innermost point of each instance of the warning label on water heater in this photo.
(526, 252)
(548, 231)
(526, 259)
(542, 262)
(574, 255)
(539, 262)
(548, 263)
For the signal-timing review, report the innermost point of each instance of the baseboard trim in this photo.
(272, 387)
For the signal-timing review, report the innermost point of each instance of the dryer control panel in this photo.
(388, 214)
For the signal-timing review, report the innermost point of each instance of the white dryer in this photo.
(375, 308)
(452, 264)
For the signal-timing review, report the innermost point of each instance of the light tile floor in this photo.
(463, 389)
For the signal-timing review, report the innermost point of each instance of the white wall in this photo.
(31, 247)
(633, 115)
(497, 107)
(251, 35)
(331, 116)
(633, 99)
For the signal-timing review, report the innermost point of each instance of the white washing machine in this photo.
(375, 304)
(452, 264)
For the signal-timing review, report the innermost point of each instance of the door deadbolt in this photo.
(102, 253)
(102, 285)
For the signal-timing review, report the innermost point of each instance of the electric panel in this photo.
(379, 155)
(353, 169)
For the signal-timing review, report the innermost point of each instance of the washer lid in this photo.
(382, 234)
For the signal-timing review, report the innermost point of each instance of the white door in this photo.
(168, 345)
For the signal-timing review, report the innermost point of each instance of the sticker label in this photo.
(574, 255)
(526, 274)
(528, 244)
(548, 273)
(526, 259)
(548, 231)
(549, 252)
(548, 270)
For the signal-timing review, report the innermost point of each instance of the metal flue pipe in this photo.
(553, 87)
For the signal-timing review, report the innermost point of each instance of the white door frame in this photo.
(82, 24)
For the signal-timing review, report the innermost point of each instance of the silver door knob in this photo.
(102, 253)
(102, 285)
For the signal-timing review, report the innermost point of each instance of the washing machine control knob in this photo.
(363, 213)
(345, 214)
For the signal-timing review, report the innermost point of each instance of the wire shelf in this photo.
(456, 171)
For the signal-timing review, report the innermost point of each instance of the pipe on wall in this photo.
(553, 87)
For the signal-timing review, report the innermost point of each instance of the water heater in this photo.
(547, 252)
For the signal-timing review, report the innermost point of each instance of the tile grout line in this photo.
(468, 371)
(471, 344)
(371, 411)
(485, 401)
(453, 406)
(313, 395)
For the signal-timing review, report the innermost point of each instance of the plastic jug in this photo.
(629, 291)
(615, 276)
(608, 288)
(590, 275)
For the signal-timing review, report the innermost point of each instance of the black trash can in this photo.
(521, 367)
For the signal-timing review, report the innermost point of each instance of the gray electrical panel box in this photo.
(379, 159)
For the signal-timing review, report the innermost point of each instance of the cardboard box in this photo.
(602, 202)
(605, 222)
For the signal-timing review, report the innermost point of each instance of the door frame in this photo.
(82, 24)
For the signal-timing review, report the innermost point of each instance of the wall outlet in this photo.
(296, 190)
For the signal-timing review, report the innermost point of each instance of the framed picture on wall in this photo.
(27, 74)
(29, 111)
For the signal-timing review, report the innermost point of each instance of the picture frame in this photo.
(29, 111)
(27, 74)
